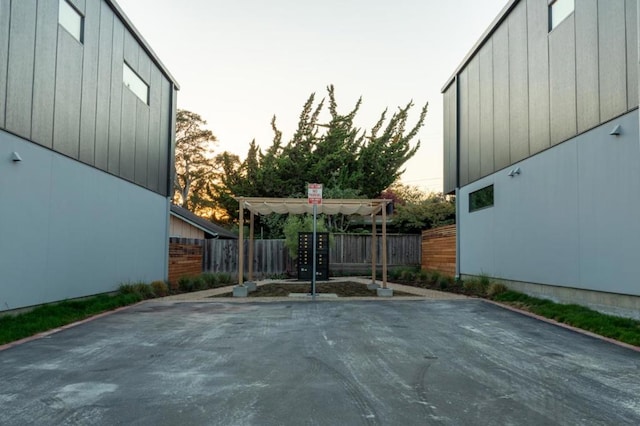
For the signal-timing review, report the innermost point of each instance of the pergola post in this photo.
(241, 244)
(374, 246)
(384, 245)
(251, 247)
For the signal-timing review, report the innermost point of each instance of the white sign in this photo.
(314, 192)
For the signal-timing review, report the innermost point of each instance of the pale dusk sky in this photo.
(239, 62)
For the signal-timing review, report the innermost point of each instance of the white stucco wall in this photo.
(68, 230)
(569, 219)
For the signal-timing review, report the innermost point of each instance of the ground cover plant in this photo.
(54, 315)
(622, 329)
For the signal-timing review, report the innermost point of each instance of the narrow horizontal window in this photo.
(135, 83)
(559, 10)
(480, 199)
(71, 20)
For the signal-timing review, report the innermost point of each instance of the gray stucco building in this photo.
(541, 148)
(87, 119)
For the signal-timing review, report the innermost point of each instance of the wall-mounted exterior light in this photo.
(617, 131)
(15, 157)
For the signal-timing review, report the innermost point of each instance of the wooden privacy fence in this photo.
(348, 254)
(439, 249)
(185, 257)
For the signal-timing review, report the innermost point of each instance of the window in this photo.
(71, 20)
(559, 10)
(480, 199)
(135, 83)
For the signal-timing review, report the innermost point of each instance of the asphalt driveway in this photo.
(462, 362)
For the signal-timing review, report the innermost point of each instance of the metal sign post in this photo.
(314, 192)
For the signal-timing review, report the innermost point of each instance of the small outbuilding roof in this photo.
(210, 229)
(266, 206)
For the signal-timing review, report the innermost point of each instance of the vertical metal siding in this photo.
(562, 66)
(165, 142)
(632, 54)
(447, 185)
(473, 135)
(170, 158)
(101, 153)
(142, 124)
(115, 110)
(5, 18)
(66, 117)
(20, 70)
(453, 133)
(501, 97)
(154, 154)
(587, 80)
(79, 4)
(141, 144)
(128, 115)
(44, 82)
(518, 84)
(463, 126)
(486, 109)
(538, 60)
(612, 58)
(89, 82)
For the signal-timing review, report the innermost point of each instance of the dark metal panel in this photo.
(131, 51)
(453, 132)
(473, 135)
(518, 84)
(486, 109)
(5, 15)
(142, 143)
(447, 185)
(501, 97)
(101, 154)
(538, 59)
(20, 71)
(632, 54)
(587, 93)
(463, 126)
(128, 135)
(78, 4)
(155, 99)
(66, 117)
(562, 74)
(90, 81)
(44, 82)
(165, 136)
(115, 110)
(612, 58)
(172, 140)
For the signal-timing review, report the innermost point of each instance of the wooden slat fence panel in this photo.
(185, 258)
(439, 249)
(347, 252)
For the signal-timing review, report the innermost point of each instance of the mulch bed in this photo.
(342, 289)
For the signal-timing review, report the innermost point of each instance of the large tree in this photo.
(336, 153)
(195, 163)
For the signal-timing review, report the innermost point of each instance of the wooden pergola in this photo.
(266, 206)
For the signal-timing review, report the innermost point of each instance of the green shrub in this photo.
(185, 284)
(476, 286)
(496, 289)
(225, 278)
(199, 283)
(423, 276)
(144, 290)
(160, 288)
(127, 289)
(445, 282)
(211, 280)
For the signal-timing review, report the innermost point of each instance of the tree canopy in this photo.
(195, 166)
(335, 153)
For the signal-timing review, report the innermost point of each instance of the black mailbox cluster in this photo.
(305, 256)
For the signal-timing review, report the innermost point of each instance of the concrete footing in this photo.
(251, 286)
(373, 286)
(385, 292)
(240, 291)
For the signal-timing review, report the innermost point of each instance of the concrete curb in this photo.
(563, 325)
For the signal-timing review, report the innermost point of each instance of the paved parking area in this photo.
(449, 362)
